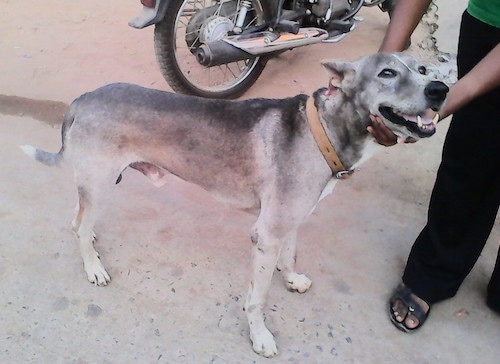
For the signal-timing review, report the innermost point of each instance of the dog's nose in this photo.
(436, 91)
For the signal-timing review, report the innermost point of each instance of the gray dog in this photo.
(259, 154)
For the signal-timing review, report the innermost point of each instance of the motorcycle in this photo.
(218, 48)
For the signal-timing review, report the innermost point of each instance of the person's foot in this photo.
(408, 312)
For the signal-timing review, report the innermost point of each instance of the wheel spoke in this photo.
(196, 21)
(221, 76)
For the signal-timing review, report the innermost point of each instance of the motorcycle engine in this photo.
(330, 9)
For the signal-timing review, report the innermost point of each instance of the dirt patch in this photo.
(50, 112)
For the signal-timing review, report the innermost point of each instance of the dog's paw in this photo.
(96, 273)
(298, 282)
(264, 344)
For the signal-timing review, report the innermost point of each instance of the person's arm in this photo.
(404, 20)
(484, 77)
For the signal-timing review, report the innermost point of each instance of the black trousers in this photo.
(466, 195)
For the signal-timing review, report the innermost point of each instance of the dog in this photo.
(256, 154)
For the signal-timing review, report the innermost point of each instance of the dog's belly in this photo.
(229, 190)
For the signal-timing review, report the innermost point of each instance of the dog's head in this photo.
(394, 86)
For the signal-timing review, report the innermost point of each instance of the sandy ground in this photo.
(180, 260)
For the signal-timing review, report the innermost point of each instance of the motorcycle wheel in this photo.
(177, 36)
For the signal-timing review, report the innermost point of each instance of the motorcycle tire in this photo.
(177, 36)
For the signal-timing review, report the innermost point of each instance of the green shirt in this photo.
(488, 11)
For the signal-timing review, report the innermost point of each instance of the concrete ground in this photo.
(178, 259)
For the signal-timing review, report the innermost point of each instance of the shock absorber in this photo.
(245, 6)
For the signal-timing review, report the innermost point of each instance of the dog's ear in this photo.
(342, 75)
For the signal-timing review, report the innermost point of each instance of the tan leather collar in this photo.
(324, 144)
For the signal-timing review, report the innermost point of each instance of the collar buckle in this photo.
(344, 174)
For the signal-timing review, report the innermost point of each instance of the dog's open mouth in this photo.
(419, 125)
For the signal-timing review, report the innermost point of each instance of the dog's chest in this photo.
(367, 151)
(328, 189)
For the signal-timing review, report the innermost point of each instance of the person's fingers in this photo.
(382, 134)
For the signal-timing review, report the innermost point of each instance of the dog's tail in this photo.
(47, 158)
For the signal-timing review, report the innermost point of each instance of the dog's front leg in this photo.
(266, 250)
(294, 281)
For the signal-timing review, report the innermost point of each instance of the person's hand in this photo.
(383, 135)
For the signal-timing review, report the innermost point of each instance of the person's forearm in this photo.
(485, 76)
(404, 20)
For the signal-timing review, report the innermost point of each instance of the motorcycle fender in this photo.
(149, 16)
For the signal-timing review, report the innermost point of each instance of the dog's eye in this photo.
(387, 73)
(422, 70)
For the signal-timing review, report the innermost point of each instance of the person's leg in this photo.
(493, 299)
(466, 194)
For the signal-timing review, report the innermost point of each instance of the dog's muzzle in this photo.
(435, 93)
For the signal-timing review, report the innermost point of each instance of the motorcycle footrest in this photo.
(343, 26)
(288, 26)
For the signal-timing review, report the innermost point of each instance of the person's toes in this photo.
(411, 321)
(399, 310)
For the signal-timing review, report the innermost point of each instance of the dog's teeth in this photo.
(436, 119)
(419, 121)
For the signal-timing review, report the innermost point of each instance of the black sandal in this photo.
(404, 294)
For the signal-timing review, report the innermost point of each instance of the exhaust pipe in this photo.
(239, 47)
(218, 53)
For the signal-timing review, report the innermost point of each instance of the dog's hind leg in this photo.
(89, 185)
(83, 225)
(294, 281)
